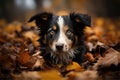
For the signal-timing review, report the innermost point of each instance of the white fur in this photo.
(61, 38)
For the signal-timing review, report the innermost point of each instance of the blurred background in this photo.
(21, 10)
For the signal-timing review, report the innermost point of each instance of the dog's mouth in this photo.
(61, 57)
(60, 52)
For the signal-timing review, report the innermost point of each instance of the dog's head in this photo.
(62, 34)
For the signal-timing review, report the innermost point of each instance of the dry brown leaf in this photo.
(24, 59)
(74, 66)
(112, 57)
(89, 57)
(32, 36)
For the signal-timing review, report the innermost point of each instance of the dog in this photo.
(62, 37)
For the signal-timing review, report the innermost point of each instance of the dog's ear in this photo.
(42, 19)
(83, 19)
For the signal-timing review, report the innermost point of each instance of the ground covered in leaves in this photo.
(20, 53)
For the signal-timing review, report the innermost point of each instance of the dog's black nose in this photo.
(59, 46)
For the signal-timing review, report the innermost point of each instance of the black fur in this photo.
(43, 21)
(77, 22)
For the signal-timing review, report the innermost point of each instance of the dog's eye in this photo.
(69, 33)
(52, 32)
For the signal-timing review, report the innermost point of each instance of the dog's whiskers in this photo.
(71, 54)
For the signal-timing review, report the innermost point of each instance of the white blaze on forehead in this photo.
(61, 38)
(60, 22)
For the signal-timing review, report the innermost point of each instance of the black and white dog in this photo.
(62, 37)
